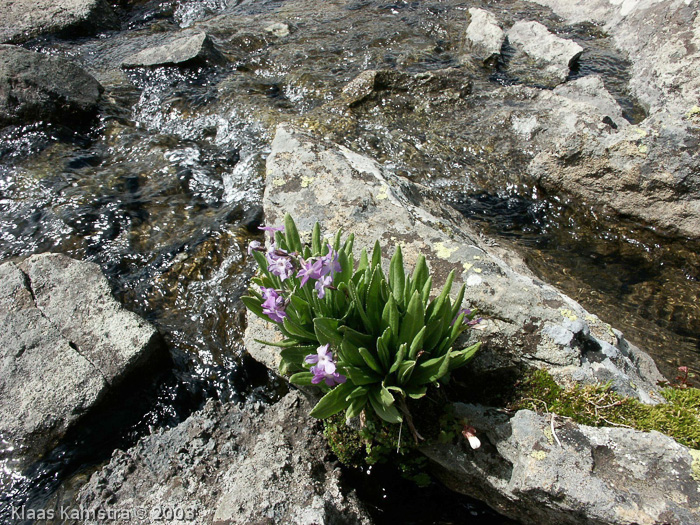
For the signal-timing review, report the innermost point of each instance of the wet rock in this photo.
(22, 20)
(652, 173)
(65, 342)
(278, 29)
(540, 469)
(231, 464)
(37, 87)
(541, 57)
(187, 48)
(484, 36)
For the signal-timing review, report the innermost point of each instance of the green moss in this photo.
(598, 405)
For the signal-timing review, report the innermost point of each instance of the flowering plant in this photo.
(362, 338)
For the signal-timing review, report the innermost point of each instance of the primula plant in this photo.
(367, 341)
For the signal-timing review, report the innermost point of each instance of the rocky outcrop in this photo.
(22, 20)
(652, 173)
(65, 342)
(38, 87)
(541, 57)
(546, 469)
(484, 36)
(228, 464)
(525, 469)
(190, 47)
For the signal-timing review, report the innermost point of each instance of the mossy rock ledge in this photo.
(536, 468)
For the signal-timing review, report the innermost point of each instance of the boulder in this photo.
(546, 469)
(533, 468)
(65, 342)
(187, 48)
(530, 322)
(540, 57)
(484, 36)
(38, 87)
(230, 464)
(22, 20)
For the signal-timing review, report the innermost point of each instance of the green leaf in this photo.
(416, 392)
(298, 331)
(262, 262)
(436, 305)
(333, 402)
(361, 375)
(316, 240)
(359, 392)
(364, 261)
(355, 407)
(425, 293)
(370, 360)
(355, 337)
(461, 357)
(350, 353)
(413, 321)
(430, 370)
(390, 319)
(417, 343)
(420, 273)
(254, 305)
(383, 351)
(326, 331)
(458, 302)
(302, 309)
(291, 234)
(349, 243)
(377, 255)
(366, 321)
(296, 354)
(404, 372)
(343, 276)
(397, 277)
(302, 378)
(400, 356)
(374, 302)
(336, 241)
(387, 413)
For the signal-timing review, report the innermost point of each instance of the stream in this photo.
(164, 190)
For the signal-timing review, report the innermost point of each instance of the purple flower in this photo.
(254, 245)
(325, 369)
(467, 312)
(282, 267)
(329, 262)
(271, 230)
(322, 284)
(273, 305)
(309, 270)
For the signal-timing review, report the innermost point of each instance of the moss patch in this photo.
(600, 406)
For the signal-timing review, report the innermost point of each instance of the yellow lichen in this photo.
(278, 182)
(467, 266)
(539, 455)
(383, 193)
(695, 465)
(442, 251)
(305, 181)
(643, 148)
(569, 314)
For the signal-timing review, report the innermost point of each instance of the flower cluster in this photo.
(368, 340)
(284, 265)
(324, 369)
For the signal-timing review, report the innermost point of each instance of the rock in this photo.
(542, 470)
(531, 322)
(484, 36)
(35, 87)
(187, 48)
(65, 342)
(22, 20)
(541, 57)
(574, 474)
(231, 464)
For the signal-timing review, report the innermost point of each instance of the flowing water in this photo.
(164, 191)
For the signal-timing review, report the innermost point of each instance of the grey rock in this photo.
(650, 172)
(531, 322)
(544, 469)
(65, 342)
(541, 57)
(186, 48)
(34, 87)
(484, 36)
(22, 20)
(231, 464)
